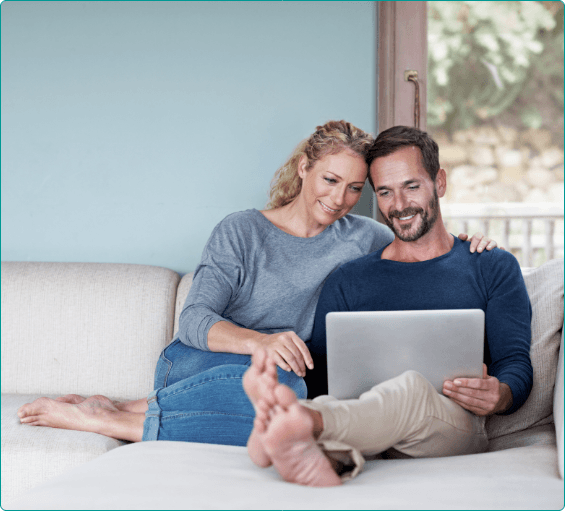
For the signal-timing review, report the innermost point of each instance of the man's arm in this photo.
(507, 324)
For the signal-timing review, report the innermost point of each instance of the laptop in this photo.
(367, 348)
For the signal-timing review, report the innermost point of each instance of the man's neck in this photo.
(434, 244)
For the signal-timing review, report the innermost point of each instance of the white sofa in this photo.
(99, 328)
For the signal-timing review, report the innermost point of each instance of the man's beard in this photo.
(428, 220)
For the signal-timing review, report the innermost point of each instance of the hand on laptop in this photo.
(288, 351)
(482, 396)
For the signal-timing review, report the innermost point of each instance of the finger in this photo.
(280, 361)
(485, 371)
(301, 345)
(483, 244)
(284, 343)
(474, 409)
(475, 240)
(472, 383)
(491, 244)
(469, 401)
(295, 363)
(481, 395)
(502, 248)
(463, 237)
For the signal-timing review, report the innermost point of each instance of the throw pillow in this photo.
(545, 289)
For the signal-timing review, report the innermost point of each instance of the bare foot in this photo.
(259, 382)
(289, 442)
(261, 377)
(96, 414)
(74, 399)
(138, 406)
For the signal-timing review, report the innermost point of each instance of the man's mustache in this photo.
(405, 212)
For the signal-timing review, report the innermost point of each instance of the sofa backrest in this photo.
(182, 293)
(84, 328)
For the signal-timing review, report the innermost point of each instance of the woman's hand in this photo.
(288, 351)
(479, 242)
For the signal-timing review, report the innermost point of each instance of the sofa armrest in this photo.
(558, 408)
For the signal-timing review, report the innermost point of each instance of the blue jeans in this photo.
(198, 397)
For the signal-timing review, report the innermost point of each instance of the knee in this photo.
(415, 380)
(295, 382)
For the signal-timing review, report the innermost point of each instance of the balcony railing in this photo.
(532, 232)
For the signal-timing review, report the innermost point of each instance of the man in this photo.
(322, 442)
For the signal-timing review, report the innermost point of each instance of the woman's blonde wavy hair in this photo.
(331, 138)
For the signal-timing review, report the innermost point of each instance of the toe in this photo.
(284, 396)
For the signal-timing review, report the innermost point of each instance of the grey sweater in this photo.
(257, 276)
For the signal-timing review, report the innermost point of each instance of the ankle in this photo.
(318, 423)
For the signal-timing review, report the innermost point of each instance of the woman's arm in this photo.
(287, 349)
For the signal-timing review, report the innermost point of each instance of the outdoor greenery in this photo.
(500, 59)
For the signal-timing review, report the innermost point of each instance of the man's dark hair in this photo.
(398, 137)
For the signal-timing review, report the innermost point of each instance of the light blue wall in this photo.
(129, 129)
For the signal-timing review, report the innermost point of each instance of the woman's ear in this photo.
(302, 166)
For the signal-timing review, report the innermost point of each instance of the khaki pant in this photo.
(405, 413)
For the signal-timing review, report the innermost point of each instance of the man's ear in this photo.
(441, 182)
(302, 166)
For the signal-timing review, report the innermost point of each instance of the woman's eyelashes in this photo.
(333, 181)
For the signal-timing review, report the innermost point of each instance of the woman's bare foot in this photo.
(96, 414)
(138, 406)
(290, 444)
(74, 399)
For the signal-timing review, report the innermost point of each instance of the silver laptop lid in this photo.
(367, 348)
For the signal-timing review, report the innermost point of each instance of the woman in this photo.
(257, 285)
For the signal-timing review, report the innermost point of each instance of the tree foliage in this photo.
(495, 57)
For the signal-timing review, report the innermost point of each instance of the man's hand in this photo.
(288, 351)
(479, 242)
(485, 396)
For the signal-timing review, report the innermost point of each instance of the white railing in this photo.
(529, 231)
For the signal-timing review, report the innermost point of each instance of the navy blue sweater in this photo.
(491, 281)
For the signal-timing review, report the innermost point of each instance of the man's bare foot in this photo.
(261, 377)
(259, 382)
(290, 444)
(96, 414)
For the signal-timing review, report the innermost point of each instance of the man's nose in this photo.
(400, 202)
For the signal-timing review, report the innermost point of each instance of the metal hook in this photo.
(412, 76)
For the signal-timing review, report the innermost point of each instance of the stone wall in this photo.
(487, 164)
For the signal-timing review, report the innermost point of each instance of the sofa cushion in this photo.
(31, 455)
(84, 328)
(545, 289)
(183, 475)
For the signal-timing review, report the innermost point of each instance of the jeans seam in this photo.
(196, 414)
(169, 364)
(203, 382)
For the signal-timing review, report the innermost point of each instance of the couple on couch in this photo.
(262, 287)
